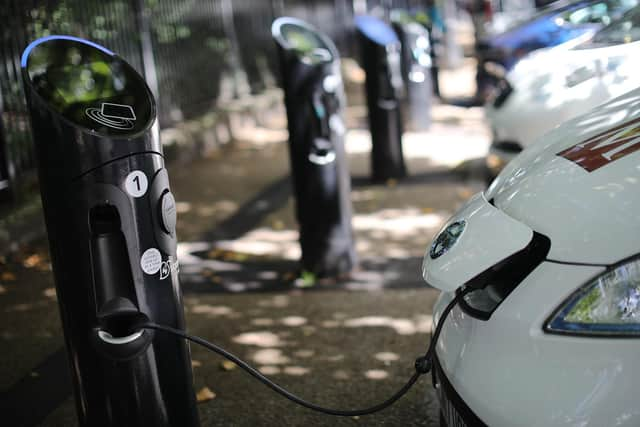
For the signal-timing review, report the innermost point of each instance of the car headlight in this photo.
(607, 305)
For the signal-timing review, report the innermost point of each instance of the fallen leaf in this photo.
(32, 261)
(464, 193)
(8, 276)
(205, 394)
(228, 365)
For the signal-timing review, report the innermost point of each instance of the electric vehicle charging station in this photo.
(111, 219)
(416, 72)
(314, 98)
(380, 49)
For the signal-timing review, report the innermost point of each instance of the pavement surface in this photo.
(348, 343)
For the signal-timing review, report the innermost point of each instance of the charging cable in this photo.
(422, 365)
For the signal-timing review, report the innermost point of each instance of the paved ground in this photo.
(341, 344)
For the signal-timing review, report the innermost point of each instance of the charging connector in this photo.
(119, 335)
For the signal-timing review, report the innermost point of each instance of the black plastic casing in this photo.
(417, 77)
(384, 89)
(322, 191)
(97, 234)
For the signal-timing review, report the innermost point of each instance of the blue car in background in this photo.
(559, 23)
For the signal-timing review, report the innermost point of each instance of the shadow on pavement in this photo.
(215, 274)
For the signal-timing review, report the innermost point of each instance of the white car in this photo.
(555, 85)
(550, 333)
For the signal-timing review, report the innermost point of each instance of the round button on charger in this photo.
(168, 215)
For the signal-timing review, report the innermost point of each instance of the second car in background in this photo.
(561, 84)
(553, 25)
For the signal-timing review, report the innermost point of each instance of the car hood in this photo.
(574, 66)
(580, 185)
(546, 60)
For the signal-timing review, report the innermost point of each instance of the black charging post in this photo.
(416, 70)
(380, 51)
(314, 98)
(111, 220)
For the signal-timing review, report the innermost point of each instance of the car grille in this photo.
(453, 411)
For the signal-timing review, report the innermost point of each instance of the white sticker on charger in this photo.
(151, 261)
(136, 183)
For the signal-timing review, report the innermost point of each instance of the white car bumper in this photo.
(509, 372)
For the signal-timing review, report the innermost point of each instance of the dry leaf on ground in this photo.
(205, 394)
(228, 365)
(8, 276)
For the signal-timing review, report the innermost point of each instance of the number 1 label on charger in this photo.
(136, 184)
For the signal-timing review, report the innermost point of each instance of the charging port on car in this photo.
(494, 285)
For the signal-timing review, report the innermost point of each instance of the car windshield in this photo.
(624, 30)
(550, 9)
(540, 13)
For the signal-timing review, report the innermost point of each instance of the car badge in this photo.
(445, 240)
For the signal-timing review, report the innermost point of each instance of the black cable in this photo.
(422, 365)
(425, 362)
